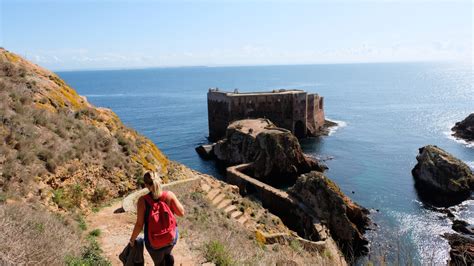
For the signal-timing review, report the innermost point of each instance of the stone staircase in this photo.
(221, 200)
(223, 197)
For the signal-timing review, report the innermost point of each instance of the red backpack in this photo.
(161, 222)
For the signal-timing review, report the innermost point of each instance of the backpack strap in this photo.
(164, 197)
(148, 199)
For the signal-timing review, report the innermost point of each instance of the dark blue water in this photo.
(388, 112)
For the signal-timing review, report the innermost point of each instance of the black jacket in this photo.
(133, 256)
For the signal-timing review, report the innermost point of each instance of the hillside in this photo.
(65, 165)
(61, 149)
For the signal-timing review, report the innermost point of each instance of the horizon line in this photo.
(248, 65)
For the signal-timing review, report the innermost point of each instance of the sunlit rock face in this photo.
(441, 178)
(276, 152)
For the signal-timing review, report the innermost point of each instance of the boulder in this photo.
(346, 220)
(465, 128)
(440, 178)
(276, 152)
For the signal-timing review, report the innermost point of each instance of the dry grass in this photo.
(31, 235)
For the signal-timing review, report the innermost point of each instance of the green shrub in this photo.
(76, 195)
(216, 252)
(59, 199)
(91, 256)
(95, 233)
(81, 222)
(128, 146)
(3, 197)
(100, 194)
(295, 245)
(39, 226)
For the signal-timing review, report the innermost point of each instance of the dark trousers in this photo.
(162, 256)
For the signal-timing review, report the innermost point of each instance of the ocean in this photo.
(385, 111)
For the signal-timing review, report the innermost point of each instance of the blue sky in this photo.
(126, 34)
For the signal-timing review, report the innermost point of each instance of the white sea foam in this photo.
(449, 134)
(340, 124)
(471, 164)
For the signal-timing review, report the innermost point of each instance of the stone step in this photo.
(224, 203)
(215, 184)
(229, 209)
(205, 187)
(242, 219)
(213, 193)
(236, 214)
(218, 199)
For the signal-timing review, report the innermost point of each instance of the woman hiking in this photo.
(156, 211)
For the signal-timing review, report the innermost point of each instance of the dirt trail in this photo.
(116, 229)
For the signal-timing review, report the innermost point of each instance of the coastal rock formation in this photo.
(462, 243)
(275, 151)
(441, 178)
(240, 145)
(59, 148)
(346, 220)
(465, 128)
(462, 249)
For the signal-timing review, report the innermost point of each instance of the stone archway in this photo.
(299, 129)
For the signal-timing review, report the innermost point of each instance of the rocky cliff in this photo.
(61, 149)
(441, 178)
(462, 243)
(465, 128)
(276, 152)
(346, 220)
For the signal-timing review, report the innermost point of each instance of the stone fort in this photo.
(296, 110)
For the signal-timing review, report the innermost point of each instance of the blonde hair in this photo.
(152, 179)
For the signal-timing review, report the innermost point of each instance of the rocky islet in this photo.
(465, 128)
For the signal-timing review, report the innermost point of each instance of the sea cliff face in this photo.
(346, 220)
(60, 148)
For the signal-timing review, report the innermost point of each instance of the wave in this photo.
(340, 124)
(449, 134)
(470, 164)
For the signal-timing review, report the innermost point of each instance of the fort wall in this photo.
(295, 110)
(294, 213)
